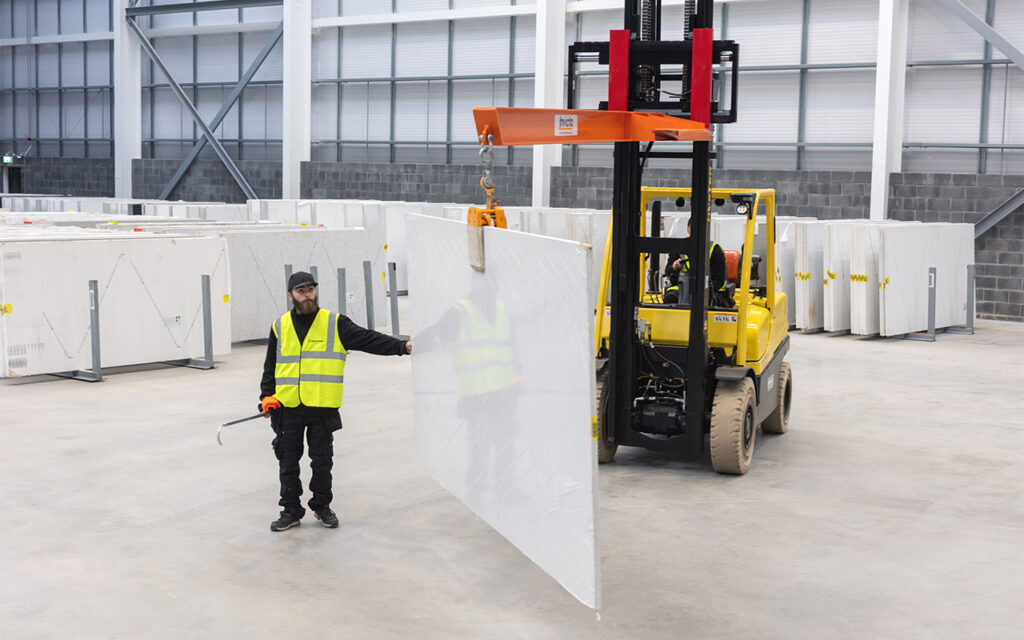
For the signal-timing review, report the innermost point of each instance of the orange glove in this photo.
(269, 404)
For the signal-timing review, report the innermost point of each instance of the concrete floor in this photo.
(894, 508)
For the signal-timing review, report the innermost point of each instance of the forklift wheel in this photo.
(605, 449)
(778, 421)
(733, 426)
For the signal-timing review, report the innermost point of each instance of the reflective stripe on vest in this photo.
(686, 264)
(484, 362)
(311, 373)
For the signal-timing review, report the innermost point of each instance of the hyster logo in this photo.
(565, 125)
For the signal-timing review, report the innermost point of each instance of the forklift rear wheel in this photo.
(605, 448)
(733, 426)
(778, 421)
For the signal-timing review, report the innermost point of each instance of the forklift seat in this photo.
(732, 267)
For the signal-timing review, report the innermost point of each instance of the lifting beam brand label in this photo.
(566, 125)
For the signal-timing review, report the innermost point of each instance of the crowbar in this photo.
(228, 424)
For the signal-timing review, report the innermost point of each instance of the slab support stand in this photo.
(206, 362)
(96, 373)
(341, 292)
(368, 281)
(930, 336)
(393, 294)
(968, 328)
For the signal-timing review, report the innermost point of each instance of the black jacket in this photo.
(353, 338)
(716, 264)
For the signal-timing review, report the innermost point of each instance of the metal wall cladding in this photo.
(150, 298)
(906, 252)
(503, 377)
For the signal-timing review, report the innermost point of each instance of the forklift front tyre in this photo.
(605, 448)
(778, 421)
(733, 426)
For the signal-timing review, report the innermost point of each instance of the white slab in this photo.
(394, 218)
(905, 254)
(522, 458)
(258, 255)
(150, 301)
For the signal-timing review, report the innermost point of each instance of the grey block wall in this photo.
(92, 177)
(413, 182)
(956, 197)
(206, 180)
(824, 194)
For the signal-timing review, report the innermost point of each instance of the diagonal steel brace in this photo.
(236, 93)
(218, 148)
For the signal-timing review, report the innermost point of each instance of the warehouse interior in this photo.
(710, 317)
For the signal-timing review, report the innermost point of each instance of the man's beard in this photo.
(308, 306)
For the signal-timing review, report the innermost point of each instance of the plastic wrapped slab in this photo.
(785, 257)
(509, 431)
(836, 280)
(150, 295)
(809, 263)
(906, 252)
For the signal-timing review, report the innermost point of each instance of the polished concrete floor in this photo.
(894, 508)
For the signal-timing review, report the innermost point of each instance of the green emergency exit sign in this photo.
(8, 159)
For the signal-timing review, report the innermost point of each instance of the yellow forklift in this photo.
(670, 376)
(746, 382)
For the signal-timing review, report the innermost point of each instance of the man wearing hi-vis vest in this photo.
(301, 390)
(716, 271)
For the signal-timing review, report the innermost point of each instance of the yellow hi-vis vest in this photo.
(686, 268)
(484, 362)
(311, 373)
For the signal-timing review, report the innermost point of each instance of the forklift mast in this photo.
(635, 57)
(658, 90)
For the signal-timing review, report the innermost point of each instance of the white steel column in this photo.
(127, 102)
(298, 78)
(548, 90)
(890, 82)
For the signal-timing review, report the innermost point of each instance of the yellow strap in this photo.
(5, 309)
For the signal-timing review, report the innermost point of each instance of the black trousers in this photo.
(289, 426)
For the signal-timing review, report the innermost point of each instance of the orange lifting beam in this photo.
(519, 126)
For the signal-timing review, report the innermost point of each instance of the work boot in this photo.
(286, 521)
(327, 517)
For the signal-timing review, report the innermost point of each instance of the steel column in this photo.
(986, 88)
(296, 130)
(801, 123)
(890, 85)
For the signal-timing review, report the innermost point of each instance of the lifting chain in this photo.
(487, 161)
